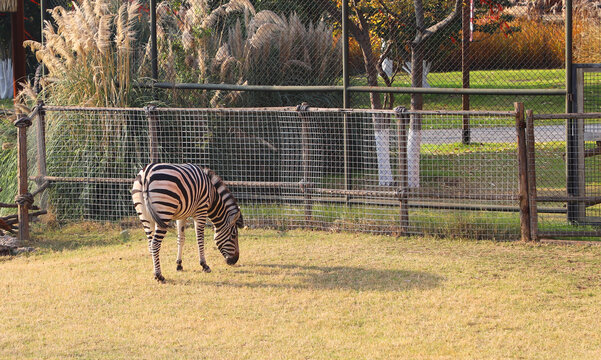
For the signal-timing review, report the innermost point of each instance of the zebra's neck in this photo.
(224, 203)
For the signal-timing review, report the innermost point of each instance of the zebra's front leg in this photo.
(155, 248)
(181, 238)
(199, 225)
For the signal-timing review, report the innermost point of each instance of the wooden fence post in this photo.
(23, 199)
(520, 126)
(402, 150)
(306, 151)
(153, 141)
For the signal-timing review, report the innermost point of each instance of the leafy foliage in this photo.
(393, 23)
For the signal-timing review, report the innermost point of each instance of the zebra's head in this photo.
(226, 237)
(226, 216)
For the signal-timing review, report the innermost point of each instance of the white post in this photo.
(382, 134)
(6, 79)
(414, 140)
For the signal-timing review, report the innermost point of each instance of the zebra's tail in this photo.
(155, 217)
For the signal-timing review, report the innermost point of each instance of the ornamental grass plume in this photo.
(234, 44)
(90, 56)
(91, 61)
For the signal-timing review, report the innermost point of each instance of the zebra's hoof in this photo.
(206, 268)
(160, 278)
(179, 267)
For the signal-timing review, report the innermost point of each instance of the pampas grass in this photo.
(587, 33)
(8, 5)
(90, 55)
(234, 44)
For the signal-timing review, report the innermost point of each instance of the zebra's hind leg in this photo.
(147, 223)
(155, 248)
(181, 238)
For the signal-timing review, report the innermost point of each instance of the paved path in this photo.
(500, 134)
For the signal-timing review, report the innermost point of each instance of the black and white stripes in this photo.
(165, 192)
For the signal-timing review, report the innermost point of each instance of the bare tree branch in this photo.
(383, 56)
(441, 24)
(330, 7)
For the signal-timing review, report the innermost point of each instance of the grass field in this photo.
(88, 292)
(501, 79)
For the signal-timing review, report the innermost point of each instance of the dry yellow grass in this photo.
(536, 45)
(587, 37)
(89, 293)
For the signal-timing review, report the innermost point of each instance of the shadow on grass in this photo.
(332, 277)
(72, 238)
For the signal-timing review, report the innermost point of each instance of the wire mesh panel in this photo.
(591, 88)
(567, 174)
(328, 169)
(93, 154)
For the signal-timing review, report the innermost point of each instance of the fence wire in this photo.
(503, 44)
(292, 169)
(567, 170)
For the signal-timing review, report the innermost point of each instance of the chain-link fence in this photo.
(478, 44)
(327, 169)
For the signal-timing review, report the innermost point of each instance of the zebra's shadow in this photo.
(328, 277)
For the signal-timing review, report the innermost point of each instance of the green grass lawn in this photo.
(505, 79)
(6, 103)
(88, 292)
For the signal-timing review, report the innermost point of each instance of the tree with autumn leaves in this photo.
(406, 29)
(411, 30)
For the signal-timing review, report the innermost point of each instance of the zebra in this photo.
(163, 192)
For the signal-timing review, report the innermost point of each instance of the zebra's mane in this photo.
(229, 200)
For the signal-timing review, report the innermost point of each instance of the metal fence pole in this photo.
(402, 150)
(306, 154)
(153, 40)
(153, 141)
(345, 94)
(465, 69)
(41, 149)
(575, 131)
(345, 55)
(520, 126)
(22, 123)
(531, 172)
(569, 57)
(43, 9)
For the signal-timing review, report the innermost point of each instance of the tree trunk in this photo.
(381, 123)
(360, 31)
(415, 125)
